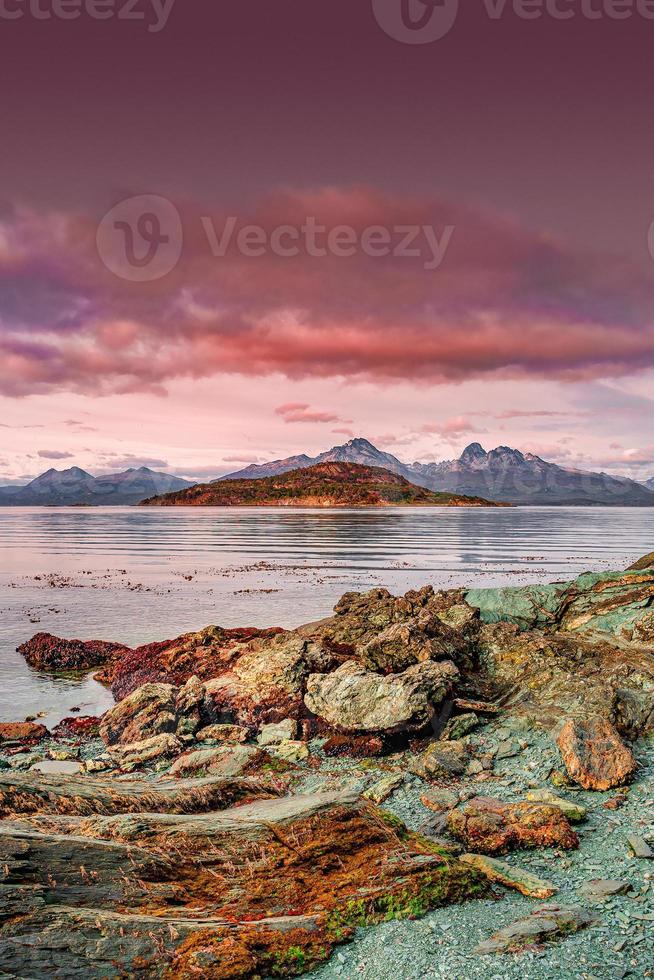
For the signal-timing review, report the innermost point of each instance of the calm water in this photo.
(138, 575)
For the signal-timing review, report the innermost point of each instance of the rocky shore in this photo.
(439, 784)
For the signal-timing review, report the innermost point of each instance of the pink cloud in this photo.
(505, 303)
(299, 412)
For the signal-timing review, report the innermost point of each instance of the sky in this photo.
(231, 232)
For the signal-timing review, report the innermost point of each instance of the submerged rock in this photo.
(594, 754)
(353, 699)
(47, 652)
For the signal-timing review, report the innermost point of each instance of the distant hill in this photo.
(649, 484)
(323, 485)
(76, 487)
(503, 474)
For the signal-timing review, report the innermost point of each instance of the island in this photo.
(323, 485)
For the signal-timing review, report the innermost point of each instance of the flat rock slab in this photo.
(599, 889)
(84, 795)
(544, 925)
(639, 847)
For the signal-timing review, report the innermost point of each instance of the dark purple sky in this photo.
(535, 139)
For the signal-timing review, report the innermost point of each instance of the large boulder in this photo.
(488, 826)
(352, 699)
(265, 685)
(594, 754)
(148, 712)
(206, 654)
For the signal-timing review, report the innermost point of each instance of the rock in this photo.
(646, 562)
(136, 754)
(474, 767)
(47, 652)
(507, 750)
(281, 732)
(223, 733)
(33, 793)
(233, 760)
(54, 767)
(148, 711)
(441, 760)
(639, 847)
(384, 788)
(543, 925)
(594, 754)
(85, 727)
(511, 877)
(265, 685)
(575, 812)
(207, 654)
(22, 731)
(439, 800)
(233, 893)
(101, 764)
(599, 889)
(610, 602)
(290, 750)
(488, 826)
(460, 726)
(355, 700)
(354, 747)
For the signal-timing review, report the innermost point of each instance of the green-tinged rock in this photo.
(575, 812)
(460, 726)
(543, 925)
(384, 787)
(647, 561)
(505, 874)
(290, 750)
(441, 760)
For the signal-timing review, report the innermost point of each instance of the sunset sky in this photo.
(525, 147)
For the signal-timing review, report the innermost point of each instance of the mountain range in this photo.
(76, 487)
(503, 474)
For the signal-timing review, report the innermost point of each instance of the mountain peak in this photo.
(473, 452)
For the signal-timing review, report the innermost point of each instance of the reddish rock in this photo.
(207, 654)
(22, 731)
(86, 726)
(594, 754)
(47, 652)
(488, 826)
(354, 747)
